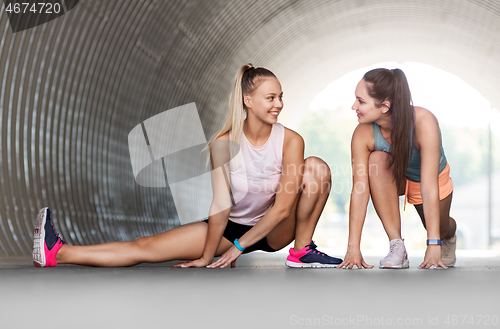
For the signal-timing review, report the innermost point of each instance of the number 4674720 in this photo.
(35, 8)
(471, 320)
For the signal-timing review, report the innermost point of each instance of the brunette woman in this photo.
(397, 150)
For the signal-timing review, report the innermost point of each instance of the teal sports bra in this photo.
(413, 170)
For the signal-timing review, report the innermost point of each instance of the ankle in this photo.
(60, 254)
(448, 236)
(450, 233)
(299, 245)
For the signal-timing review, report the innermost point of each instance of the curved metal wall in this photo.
(73, 88)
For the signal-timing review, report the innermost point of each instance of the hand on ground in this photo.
(432, 257)
(195, 263)
(226, 258)
(353, 258)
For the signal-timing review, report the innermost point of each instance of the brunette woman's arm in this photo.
(360, 194)
(428, 140)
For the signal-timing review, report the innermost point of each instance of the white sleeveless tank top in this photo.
(255, 177)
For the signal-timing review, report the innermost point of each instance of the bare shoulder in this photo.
(363, 130)
(224, 137)
(363, 137)
(292, 139)
(424, 117)
(363, 133)
(219, 150)
(220, 144)
(426, 128)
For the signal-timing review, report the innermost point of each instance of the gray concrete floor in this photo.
(259, 293)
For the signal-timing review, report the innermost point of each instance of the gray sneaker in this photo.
(448, 251)
(397, 256)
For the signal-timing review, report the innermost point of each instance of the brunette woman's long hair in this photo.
(392, 86)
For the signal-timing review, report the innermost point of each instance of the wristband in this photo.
(434, 241)
(237, 244)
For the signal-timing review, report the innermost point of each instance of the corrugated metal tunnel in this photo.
(73, 88)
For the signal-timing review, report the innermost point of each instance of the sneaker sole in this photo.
(308, 265)
(39, 238)
(406, 264)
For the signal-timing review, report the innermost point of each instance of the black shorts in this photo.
(235, 231)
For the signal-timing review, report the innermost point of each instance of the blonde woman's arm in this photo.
(221, 201)
(290, 181)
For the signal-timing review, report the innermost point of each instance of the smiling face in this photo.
(365, 107)
(266, 102)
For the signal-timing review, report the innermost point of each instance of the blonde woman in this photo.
(272, 197)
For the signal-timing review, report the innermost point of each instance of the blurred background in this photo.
(73, 88)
